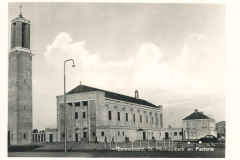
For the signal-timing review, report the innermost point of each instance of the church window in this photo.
(84, 114)
(85, 103)
(133, 117)
(123, 133)
(110, 115)
(118, 116)
(152, 120)
(76, 115)
(126, 116)
(146, 119)
(24, 135)
(102, 133)
(118, 133)
(77, 104)
(140, 118)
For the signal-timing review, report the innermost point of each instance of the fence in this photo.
(141, 143)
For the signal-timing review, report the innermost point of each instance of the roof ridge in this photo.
(111, 95)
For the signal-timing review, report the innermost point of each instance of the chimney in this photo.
(136, 94)
(195, 110)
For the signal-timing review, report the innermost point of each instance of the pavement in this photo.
(110, 150)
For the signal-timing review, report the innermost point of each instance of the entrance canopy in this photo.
(140, 129)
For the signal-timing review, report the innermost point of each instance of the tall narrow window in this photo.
(24, 135)
(84, 114)
(110, 115)
(123, 133)
(140, 118)
(118, 133)
(93, 133)
(133, 117)
(102, 133)
(147, 119)
(76, 115)
(126, 116)
(119, 116)
(152, 120)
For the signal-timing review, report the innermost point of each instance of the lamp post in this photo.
(65, 122)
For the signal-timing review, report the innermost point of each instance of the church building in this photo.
(92, 112)
(20, 83)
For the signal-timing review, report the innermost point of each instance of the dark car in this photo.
(208, 139)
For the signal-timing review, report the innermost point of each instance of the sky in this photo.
(173, 54)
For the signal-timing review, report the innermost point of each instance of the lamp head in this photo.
(73, 65)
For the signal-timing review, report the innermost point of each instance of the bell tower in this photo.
(20, 83)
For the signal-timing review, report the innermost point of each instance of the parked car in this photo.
(208, 138)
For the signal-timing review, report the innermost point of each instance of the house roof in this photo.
(196, 115)
(112, 95)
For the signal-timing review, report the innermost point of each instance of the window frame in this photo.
(76, 115)
(119, 116)
(109, 115)
(84, 115)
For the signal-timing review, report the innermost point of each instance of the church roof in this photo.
(196, 115)
(112, 95)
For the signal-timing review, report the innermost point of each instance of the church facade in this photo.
(94, 113)
(20, 83)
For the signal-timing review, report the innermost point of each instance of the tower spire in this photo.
(20, 14)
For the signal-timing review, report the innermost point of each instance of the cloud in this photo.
(146, 71)
(195, 47)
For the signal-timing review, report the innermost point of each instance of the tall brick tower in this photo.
(20, 83)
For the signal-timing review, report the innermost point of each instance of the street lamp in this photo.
(65, 122)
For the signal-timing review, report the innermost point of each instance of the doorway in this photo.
(166, 135)
(84, 134)
(50, 137)
(144, 135)
(76, 137)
